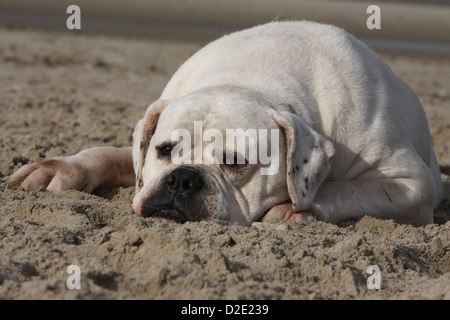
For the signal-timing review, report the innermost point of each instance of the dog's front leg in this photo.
(86, 171)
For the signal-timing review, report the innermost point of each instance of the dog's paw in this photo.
(54, 175)
(276, 213)
(304, 217)
(284, 212)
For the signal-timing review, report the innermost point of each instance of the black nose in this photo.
(184, 182)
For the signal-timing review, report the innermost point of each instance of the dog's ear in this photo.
(142, 135)
(308, 160)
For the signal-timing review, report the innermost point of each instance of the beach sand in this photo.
(62, 93)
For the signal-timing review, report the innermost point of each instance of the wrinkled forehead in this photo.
(211, 116)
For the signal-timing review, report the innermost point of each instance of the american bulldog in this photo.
(354, 139)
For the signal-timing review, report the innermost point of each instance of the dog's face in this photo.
(190, 166)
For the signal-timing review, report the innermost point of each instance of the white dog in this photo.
(354, 138)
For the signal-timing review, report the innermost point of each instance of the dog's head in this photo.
(223, 154)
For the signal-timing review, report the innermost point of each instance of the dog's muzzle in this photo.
(184, 182)
(178, 197)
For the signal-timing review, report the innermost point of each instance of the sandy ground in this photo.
(62, 93)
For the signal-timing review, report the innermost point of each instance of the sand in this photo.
(62, 93)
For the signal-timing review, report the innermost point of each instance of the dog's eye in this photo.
(165, 150)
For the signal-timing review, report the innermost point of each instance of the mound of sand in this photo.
(61, 94)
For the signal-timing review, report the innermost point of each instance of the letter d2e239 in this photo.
(246, 309)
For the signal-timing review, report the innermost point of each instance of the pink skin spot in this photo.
(302, 217)
(291, 216)
(137, 209)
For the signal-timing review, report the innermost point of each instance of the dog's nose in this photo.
(184, 182)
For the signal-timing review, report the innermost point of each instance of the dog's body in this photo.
(354, 138)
